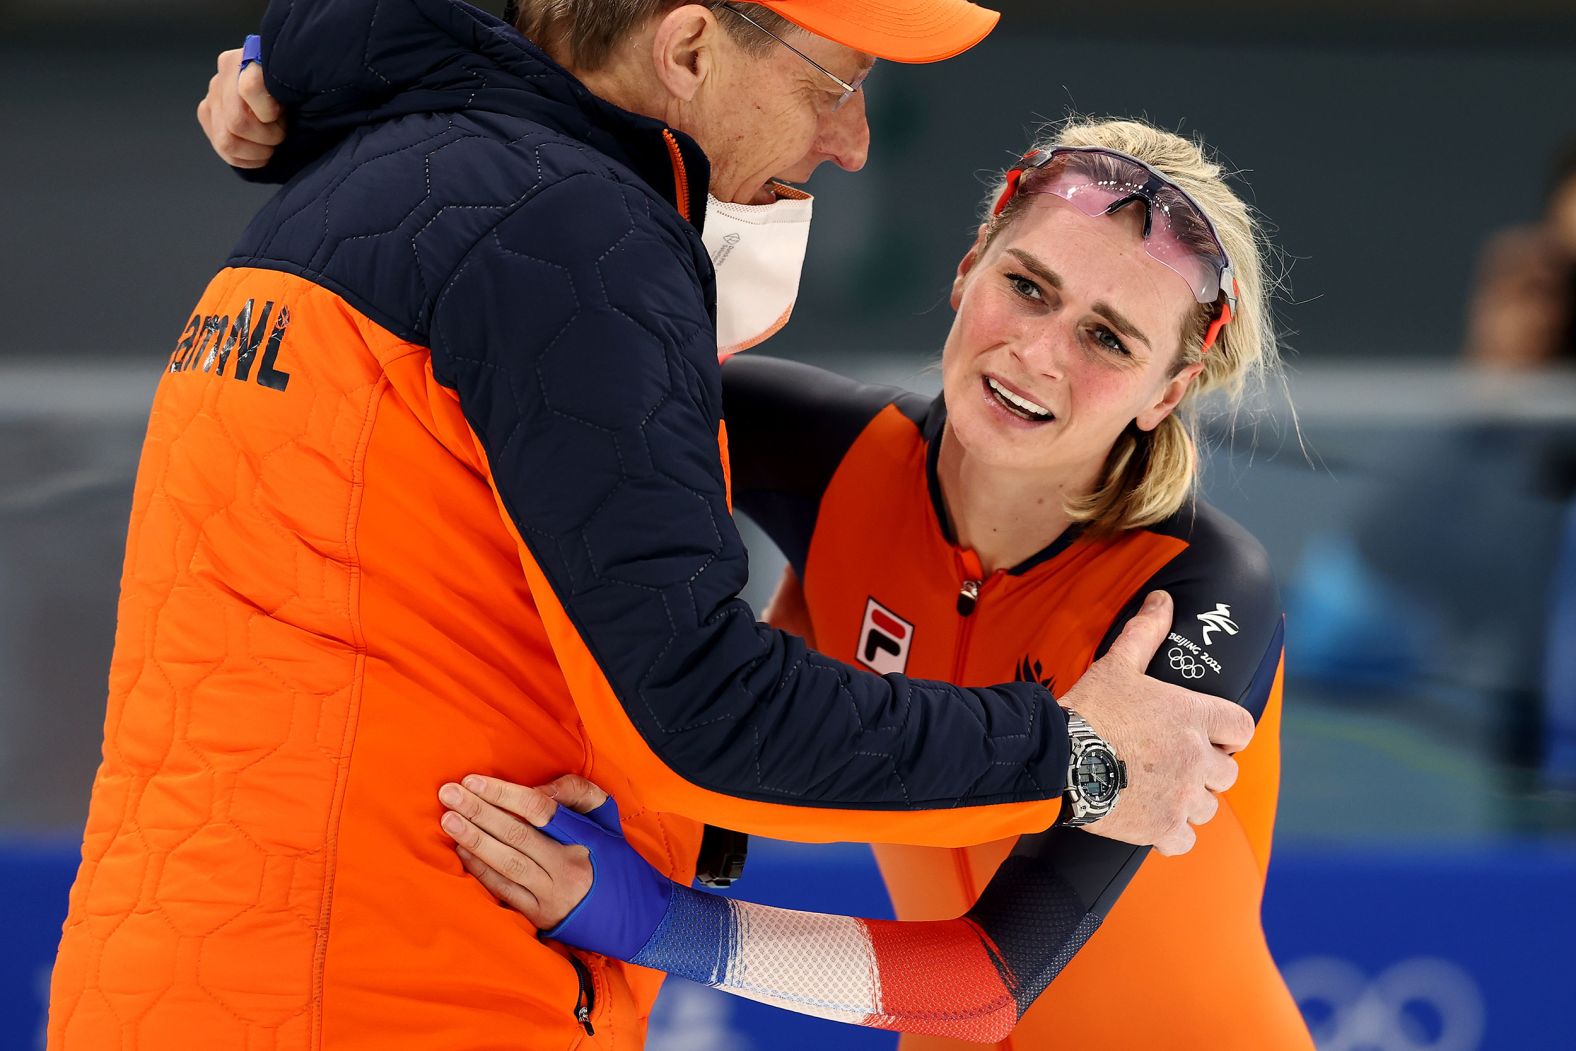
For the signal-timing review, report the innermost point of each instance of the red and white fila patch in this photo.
(884, 640)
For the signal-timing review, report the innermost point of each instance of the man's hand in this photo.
(243, 122)
(1177, 744)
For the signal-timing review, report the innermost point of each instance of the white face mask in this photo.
(758, 251)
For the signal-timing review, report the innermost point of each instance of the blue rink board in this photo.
(1444, 950)
(1416, 951)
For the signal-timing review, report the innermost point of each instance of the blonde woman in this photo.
(1009, 528)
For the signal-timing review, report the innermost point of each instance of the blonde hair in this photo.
(581, 34)
(1149, 475)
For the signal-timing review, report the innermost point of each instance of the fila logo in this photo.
(1218, 619)
(884, 640)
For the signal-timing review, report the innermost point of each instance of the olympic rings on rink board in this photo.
(1423, 1003)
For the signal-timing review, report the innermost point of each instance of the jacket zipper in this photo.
(585, 1002)
(680, 174)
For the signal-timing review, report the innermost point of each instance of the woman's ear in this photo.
(971, 257)
(1170, 397)
(684, 49)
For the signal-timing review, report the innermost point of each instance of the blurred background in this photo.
(1416, 162)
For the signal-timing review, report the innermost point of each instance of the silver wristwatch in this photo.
(1095, 776)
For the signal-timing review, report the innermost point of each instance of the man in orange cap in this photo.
(436, 483)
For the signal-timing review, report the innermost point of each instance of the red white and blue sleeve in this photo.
(969, 978)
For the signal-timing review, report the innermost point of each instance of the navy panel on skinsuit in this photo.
(789, 426)
(1061, 883)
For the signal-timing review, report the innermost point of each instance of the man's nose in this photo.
(845, 134)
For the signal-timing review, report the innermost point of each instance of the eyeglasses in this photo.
(1176, 233)
(849, 90)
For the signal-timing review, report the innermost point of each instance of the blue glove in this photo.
(628, 898)
(251, 51)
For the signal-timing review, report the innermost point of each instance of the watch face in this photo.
(1097, 776)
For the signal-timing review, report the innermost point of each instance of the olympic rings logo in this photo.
(1419, 1004)
(1184, 663)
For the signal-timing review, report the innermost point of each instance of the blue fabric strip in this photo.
(251, 51)
(696, 939)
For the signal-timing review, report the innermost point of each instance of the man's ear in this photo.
(684, 49)
(1170, 397)
(970, 258)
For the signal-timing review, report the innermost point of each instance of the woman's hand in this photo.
(567, 869)
(243, 122)
(525, 869)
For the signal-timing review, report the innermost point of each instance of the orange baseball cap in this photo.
(896, 30)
